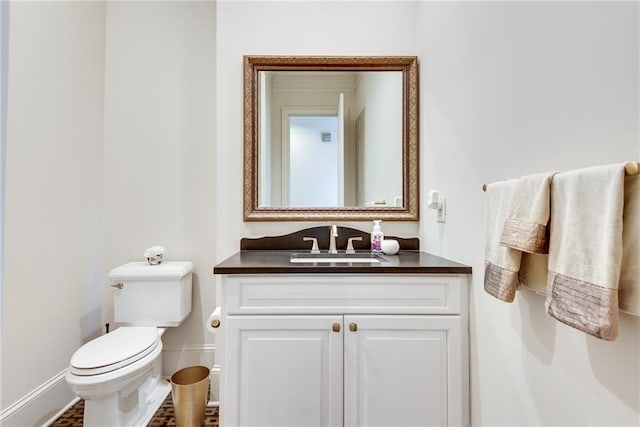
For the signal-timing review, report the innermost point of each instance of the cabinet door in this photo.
(403, 370)
(283, 371)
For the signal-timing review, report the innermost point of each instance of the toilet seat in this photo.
(114, 351)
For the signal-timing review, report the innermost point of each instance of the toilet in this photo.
(119, 375)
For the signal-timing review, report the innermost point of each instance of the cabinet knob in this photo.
(336, 327)
(353, 326)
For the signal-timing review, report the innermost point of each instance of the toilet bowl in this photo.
(119, 374)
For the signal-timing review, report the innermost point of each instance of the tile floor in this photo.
(163, 417)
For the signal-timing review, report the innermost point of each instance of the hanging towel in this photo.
(533, 272)
(525, 228)
(585, 249)
(505, 267)
(629, 285)
(501, 263)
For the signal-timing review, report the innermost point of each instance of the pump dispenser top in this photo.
(376, 237)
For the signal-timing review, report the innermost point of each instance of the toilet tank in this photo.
(152, 295)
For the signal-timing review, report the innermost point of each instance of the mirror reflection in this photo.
(330, 138)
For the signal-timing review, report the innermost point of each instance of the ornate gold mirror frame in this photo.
(408, 65)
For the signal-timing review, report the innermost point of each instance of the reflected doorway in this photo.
(314, 159)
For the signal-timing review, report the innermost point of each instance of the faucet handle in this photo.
(350, 249)
(314, 248)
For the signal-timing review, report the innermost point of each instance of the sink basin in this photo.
(341, 258)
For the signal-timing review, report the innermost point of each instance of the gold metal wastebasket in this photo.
(190, 394)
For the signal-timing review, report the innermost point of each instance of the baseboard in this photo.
(41, 406)
(175, 358)
(61, 411)
(214, 395)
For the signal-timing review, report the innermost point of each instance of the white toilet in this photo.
(120, 374)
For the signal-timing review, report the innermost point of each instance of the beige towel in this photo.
(533, 272)
(629, 286)
(585, 249)
(525, 228)
(501, 263)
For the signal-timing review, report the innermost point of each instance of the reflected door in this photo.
(314, 159)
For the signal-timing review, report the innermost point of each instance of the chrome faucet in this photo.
(333, 233)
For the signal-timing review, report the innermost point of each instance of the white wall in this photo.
(4, 56)
(380, 95)
(291, 28)
(51, 298)
(109, 150)
(506, 90)
(160, 152)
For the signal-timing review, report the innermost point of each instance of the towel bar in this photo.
(630, 168)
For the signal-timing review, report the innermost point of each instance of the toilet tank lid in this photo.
(144, 271)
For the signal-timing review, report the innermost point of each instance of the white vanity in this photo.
(343, 344)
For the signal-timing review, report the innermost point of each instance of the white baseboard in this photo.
(61, 411)
(214, 396)
(175, 358)
(41, 406)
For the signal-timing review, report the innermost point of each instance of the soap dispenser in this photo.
(376, 237)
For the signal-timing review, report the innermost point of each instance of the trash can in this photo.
(190, 394)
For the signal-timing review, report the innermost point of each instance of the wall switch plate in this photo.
(442, 212)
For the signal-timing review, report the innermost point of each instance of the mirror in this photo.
(330, 138)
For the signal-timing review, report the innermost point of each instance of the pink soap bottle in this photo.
(376, 237)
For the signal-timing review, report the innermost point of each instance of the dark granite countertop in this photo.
(277, 262)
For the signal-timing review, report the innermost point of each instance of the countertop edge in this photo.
(277, 262)
(342, 270)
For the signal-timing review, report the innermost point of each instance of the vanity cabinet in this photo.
(398, 370)
(344, 349)
(282, 371)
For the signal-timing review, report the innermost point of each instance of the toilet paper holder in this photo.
(214, 320)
